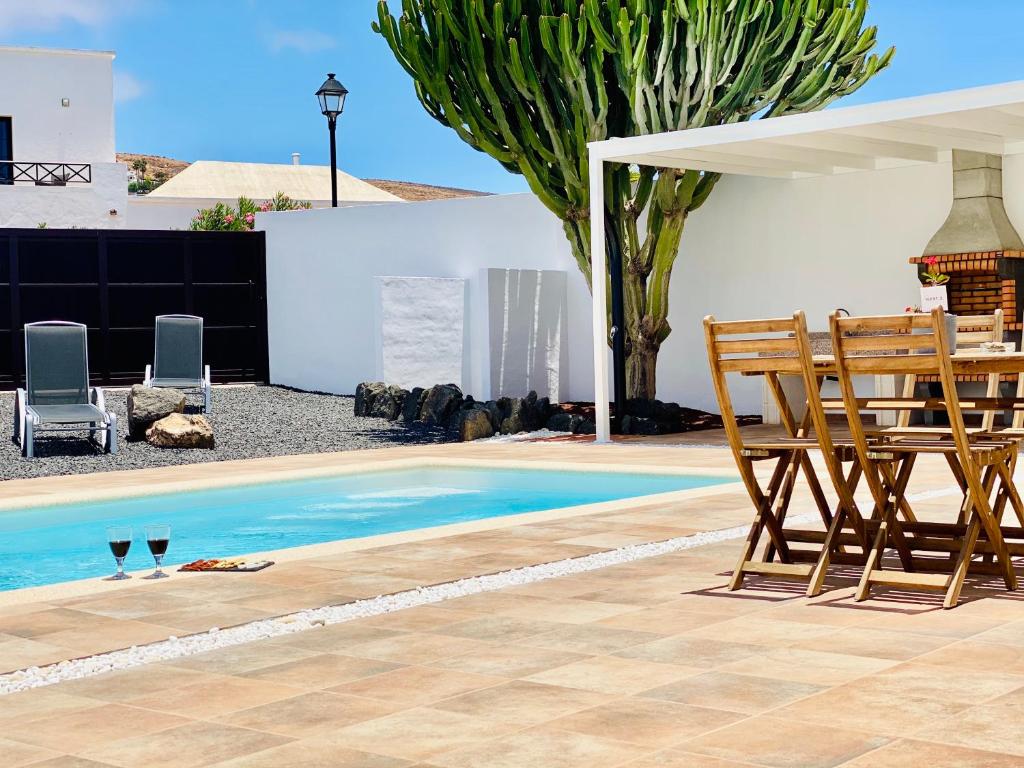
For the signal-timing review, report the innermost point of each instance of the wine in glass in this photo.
(158, 537)
(120, 539)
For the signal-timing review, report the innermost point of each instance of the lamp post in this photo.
(332, 103)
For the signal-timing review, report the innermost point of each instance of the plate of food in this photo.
(226, 566)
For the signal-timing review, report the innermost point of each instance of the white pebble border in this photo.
(263, 629)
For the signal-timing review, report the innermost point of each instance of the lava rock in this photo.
(181, 431)
(642, 407)
(586, 427)
(495, 413)
(149, 404)
(387, 404)
(475, 424)
(639, 425)
(366, 394)
(412, 404)
(440, 403)
(564, 422)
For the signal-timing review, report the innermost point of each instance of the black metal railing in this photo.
(45, 174)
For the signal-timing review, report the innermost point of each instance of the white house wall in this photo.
(83, 206)
(33, 85)
(758, 248)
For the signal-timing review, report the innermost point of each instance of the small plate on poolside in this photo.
(226, 566)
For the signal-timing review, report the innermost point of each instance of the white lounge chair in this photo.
(57, 396)
(178, 357)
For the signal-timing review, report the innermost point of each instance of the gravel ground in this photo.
(248, 422)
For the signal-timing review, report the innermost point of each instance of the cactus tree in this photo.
(530, 82)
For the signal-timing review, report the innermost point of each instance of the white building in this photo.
(57, 162)
(207, 182)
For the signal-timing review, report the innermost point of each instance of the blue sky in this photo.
(234, 79)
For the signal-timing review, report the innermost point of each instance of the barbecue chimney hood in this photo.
(978, 221)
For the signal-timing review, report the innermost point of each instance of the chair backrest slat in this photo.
(56, 363)
(887, 360)
(179, 347)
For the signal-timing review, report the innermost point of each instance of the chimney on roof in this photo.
(295, 158)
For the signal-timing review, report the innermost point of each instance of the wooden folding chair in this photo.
(918, 345)
(775, 348)
(971, 332)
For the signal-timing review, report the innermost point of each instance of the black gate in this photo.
(117, 281)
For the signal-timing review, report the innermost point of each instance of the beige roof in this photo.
(213, 179)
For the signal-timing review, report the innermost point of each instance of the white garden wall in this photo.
(322, 267)
(758, 248)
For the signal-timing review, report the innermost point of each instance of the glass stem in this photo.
(159, 563)
(120, 566)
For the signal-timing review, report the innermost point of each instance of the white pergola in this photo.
(889, 134)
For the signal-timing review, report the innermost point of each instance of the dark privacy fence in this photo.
(118, 281)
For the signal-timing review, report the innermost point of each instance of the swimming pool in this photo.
(47, 545)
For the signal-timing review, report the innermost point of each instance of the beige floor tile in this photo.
(816, 667)
(208, 700)
(188, 746)
(646, 722)
(508, 661)
(674, 758)
(662, 620)
(590, 638)
(21, 653)
(83, 729)
(881, 644)
(308, 715)
(523, 703)
(910, 753)
(418, 734)
(416, 648)
(499, 628)
(542, 747)
(313, 753)
(425, 618)
(950, 684)
(41, 702)
(566, 610)
(993, 727)
(322, 671)
(249, 657)
(884, 712)
(68, 761)
(978, 655)
(692, 651)
(736, 693)
(609, 674)
(781, 744)
(117, 687)
(337, 638)
(416, 686)
(15, 755)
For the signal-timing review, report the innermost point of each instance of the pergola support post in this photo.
(599, 292)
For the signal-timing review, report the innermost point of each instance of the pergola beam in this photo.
(700, 162)
(870, 148)
(938, 138)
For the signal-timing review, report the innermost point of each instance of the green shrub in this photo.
(226, 218)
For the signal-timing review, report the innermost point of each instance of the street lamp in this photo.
(332, 102)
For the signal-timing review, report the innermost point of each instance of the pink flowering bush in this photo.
(226, 218)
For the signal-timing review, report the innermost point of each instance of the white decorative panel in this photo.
(420, 330)
(529, 333)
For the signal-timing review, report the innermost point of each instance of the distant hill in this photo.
(154, 164)
(407, 190)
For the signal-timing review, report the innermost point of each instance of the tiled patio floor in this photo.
(648, 665)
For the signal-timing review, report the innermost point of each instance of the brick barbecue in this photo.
(978, 246)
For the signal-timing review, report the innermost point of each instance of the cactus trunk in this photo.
(532, 82)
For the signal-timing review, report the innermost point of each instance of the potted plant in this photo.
(933, 290)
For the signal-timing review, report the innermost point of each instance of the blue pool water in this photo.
(61, 543)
